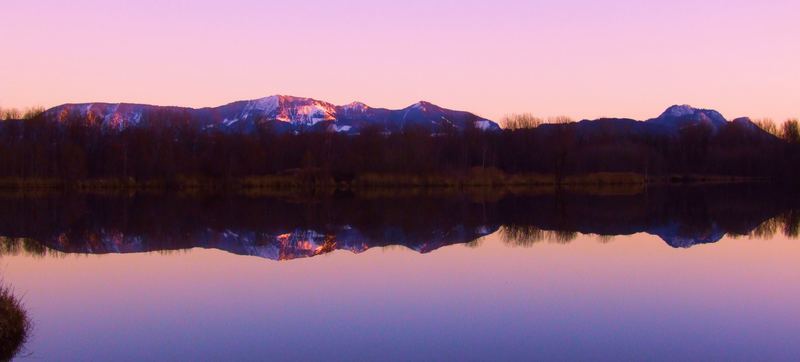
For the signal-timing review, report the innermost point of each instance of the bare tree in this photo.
(767, 125)
(10, 113)
(559, 120)
(521, 121)
(791, 131)
(33, 112)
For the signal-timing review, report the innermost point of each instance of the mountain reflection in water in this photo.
(283, 228)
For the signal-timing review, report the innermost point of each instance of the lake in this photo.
(663, 273)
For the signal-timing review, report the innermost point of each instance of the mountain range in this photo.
(670, 123)
(297, 114)
(303, 243)
(281, 113)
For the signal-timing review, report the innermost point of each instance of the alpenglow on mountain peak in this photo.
(679, 110)
(281, 113)
(682, 115)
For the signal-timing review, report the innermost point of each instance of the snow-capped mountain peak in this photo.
(681, 116)
(295, 110)
(679, 110)
(355, 106)
(266, 104)
(423, 106)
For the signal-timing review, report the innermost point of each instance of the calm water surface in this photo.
(690, 274)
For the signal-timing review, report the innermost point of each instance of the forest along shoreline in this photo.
(166, 150)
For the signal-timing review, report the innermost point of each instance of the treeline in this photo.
(14, 113)
(166, 146)
(419, 219)
(610, 145)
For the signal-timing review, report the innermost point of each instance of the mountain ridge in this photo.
(291, 114)
(281, 112)
(675, 120)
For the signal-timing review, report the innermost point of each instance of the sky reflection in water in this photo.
(550, 295)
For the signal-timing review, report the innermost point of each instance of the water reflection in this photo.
(290, 227)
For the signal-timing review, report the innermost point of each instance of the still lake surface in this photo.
(681, 273)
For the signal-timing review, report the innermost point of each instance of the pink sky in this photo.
(580, 58)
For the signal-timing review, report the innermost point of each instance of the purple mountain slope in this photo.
(283, 113)
(680, 116)
(671, 123)
(295, 114)
(294, 244)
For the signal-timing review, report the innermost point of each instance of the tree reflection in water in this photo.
(289, 226)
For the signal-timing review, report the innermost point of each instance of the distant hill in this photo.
(670, 123)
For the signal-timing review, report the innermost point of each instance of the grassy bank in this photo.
(14, 324)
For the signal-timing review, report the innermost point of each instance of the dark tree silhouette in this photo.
(165, 147)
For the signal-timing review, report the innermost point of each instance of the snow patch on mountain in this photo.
(355, 107)
(263, 105)
(345, 128)
(679, 111)
(483, 125)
